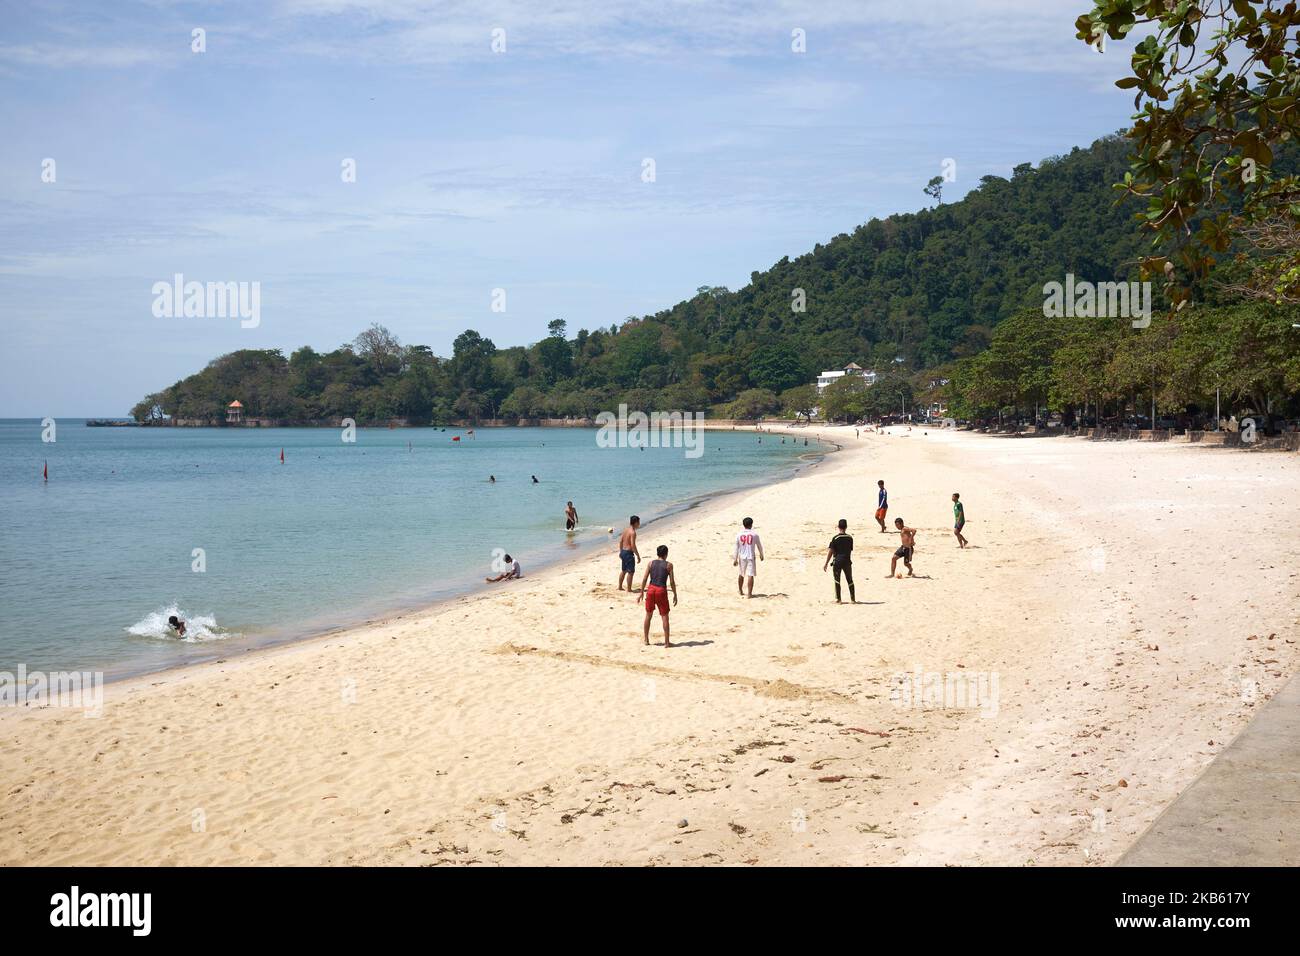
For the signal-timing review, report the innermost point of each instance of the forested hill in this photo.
(929, 286)
(925, 287)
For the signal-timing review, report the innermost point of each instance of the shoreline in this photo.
(460, 423)
(356, 621)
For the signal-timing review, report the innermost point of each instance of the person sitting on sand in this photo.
(659, 573)
(906, 546)
(742, 555)
(958, 518)
(841, 552)
(570, 517)
(510, 574)
(177, 625)
(882, 505)
(628, 554)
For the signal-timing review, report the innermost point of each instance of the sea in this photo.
(136, 524)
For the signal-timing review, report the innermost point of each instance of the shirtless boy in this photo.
(906, 546)
(628, 553)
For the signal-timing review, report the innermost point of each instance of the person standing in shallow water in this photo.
(840, 552)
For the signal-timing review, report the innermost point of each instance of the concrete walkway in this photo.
(1244, 810)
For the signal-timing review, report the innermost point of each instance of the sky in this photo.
(594, 159)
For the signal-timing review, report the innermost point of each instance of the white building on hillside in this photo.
(853, 368)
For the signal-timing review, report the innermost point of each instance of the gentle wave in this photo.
(198, 627)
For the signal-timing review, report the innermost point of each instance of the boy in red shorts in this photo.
(660, 575)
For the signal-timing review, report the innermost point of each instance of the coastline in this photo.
(440, 737)
(397, 610)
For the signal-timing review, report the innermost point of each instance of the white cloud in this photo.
(931, 36)
(63, 56)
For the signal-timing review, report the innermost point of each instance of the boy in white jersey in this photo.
(743, 556)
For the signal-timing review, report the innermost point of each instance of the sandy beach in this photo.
(1131, 604)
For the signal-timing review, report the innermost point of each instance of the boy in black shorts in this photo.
(906, 547)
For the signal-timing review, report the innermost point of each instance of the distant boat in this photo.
(457, 438)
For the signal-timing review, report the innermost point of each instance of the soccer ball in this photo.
(899, 576)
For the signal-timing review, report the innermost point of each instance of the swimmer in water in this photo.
(492, 479)
(177, 625)
(570, 517)
(535, 481)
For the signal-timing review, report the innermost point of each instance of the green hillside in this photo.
(925, 287)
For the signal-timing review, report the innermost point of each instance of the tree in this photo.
(149, 408)
(753, 403)
(800, 401)
(555, 357)
(890, 395)
(556, 328)
(524, 402)
(776, 367)
(471, 365)
(380, 348)
(845, 399)
(934, 188)
(470, 405)
(1217, 89)
(635, 348)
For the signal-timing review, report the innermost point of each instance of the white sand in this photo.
(528, 724)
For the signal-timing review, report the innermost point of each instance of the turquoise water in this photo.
(94, 560)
